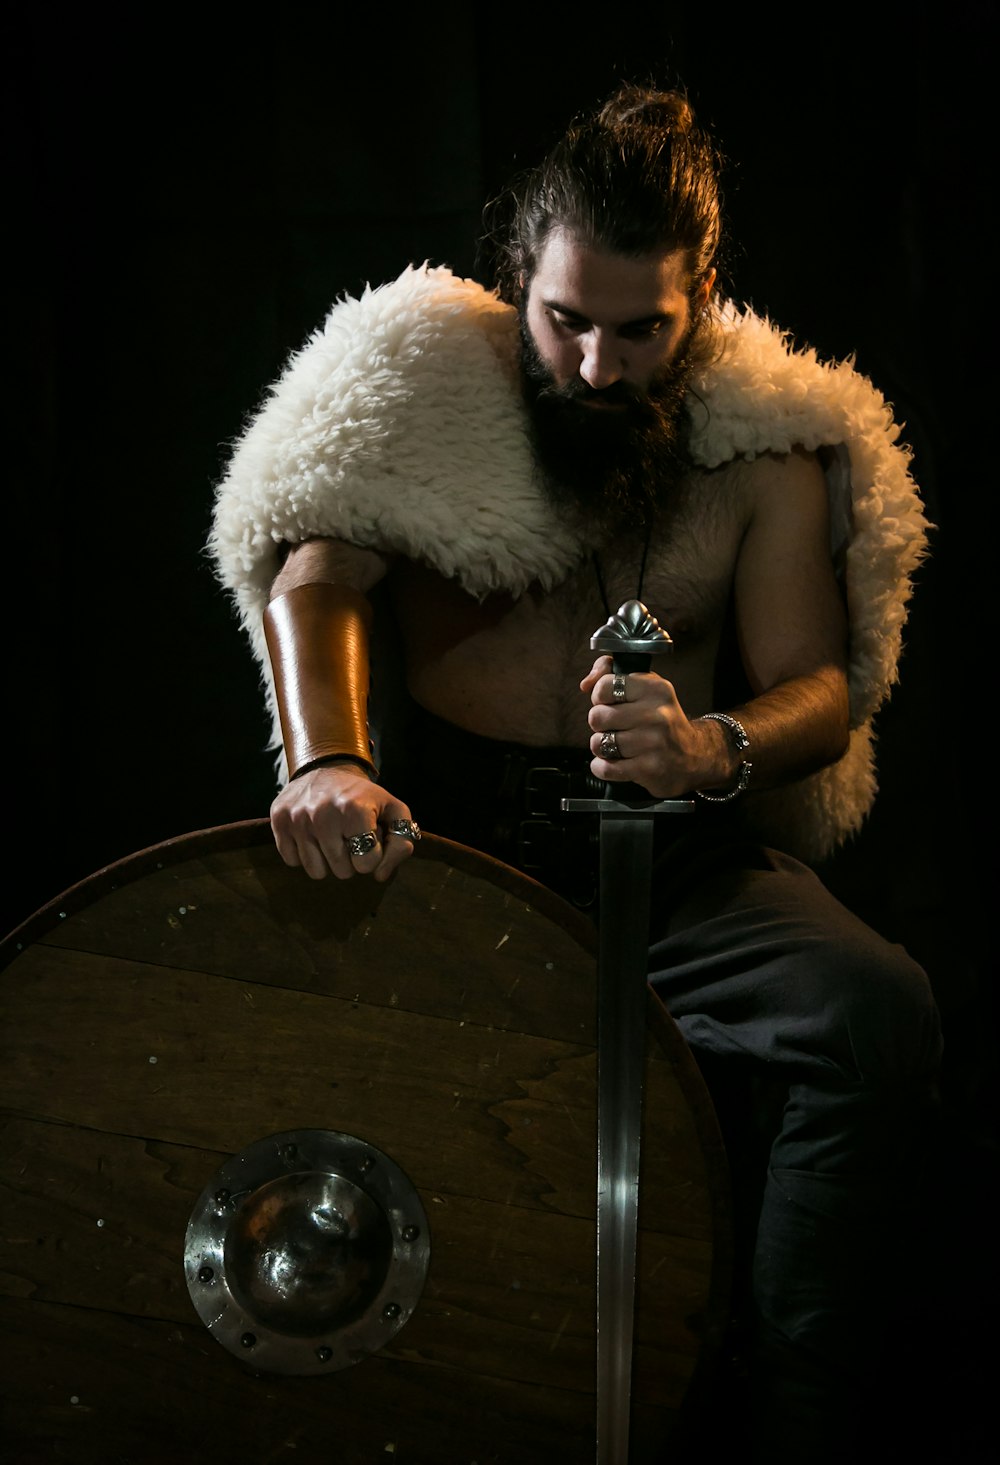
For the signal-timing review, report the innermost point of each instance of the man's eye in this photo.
(644, 331)
(568, 322)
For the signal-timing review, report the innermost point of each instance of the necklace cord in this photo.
(596, 559)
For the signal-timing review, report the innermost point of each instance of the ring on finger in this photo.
(361, 844)
(405, 828)
(609, 748)
(618, 687)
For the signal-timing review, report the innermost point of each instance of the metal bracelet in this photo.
(741, 742)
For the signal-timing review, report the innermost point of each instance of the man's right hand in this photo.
(315, 814)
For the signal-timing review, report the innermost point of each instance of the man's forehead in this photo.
(602, 285)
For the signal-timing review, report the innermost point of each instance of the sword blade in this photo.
(632, 638)
(626, 860)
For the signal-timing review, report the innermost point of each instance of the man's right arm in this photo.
(317, 632)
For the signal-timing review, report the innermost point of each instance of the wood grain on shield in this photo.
(201, 996)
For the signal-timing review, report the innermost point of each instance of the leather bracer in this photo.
(317, 639)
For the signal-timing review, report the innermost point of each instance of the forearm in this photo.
(316, 625)
(317, 641)
(794, 729)
(798, 725)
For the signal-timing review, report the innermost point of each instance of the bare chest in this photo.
(510, 668)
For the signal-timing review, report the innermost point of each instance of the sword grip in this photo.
(624, 662)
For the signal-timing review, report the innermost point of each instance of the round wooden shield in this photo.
(189, 1002)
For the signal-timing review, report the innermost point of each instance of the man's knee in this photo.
(887, 1010)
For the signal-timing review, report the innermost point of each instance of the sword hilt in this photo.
(631, 637)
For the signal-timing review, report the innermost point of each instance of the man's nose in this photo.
(602, 363)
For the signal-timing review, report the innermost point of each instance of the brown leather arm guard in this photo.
(317, 639)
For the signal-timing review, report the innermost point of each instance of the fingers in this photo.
(609, 688)
(609, 751)
(610, 719)
(632, 719)
(602, 667)
(626, 757)
(622, 699)
(382, 848)
(621, 702)
(400, 834)
(610, 745)
(364, 848)
(320, 838)
(338, 822)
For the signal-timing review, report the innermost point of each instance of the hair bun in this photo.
(668, 111)
(634, 176)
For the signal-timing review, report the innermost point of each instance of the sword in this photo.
(626, 812)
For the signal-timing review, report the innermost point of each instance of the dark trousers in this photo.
(820, 1042)
(831, 1033)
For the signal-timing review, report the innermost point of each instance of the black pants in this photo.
(788, 1001)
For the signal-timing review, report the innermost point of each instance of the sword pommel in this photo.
(631, 632)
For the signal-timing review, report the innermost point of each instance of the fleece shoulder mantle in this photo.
(399, 426)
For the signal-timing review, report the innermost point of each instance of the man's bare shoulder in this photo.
(722, 504)
(698, 541)
(796, 472)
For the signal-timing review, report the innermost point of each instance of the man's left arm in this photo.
(792, 630)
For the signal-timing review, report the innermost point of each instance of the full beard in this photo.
(620, 464)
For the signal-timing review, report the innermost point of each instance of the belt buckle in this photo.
(544, 787)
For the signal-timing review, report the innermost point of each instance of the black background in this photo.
(189, 198)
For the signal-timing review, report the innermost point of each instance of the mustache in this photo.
(616, 394)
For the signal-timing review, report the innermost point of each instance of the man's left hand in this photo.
(658, 747)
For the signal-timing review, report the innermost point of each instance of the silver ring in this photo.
(405, 828)
(361, 844)
(618, 686)
(609, 746)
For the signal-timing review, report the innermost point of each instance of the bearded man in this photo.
(501, 470)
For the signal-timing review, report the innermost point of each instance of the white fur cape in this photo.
(399, 426)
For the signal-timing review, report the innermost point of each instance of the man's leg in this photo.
(765, 972)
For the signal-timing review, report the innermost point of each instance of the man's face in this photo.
(603, 318)
(606, 361)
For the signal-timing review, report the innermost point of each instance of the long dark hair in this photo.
(636, 177)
